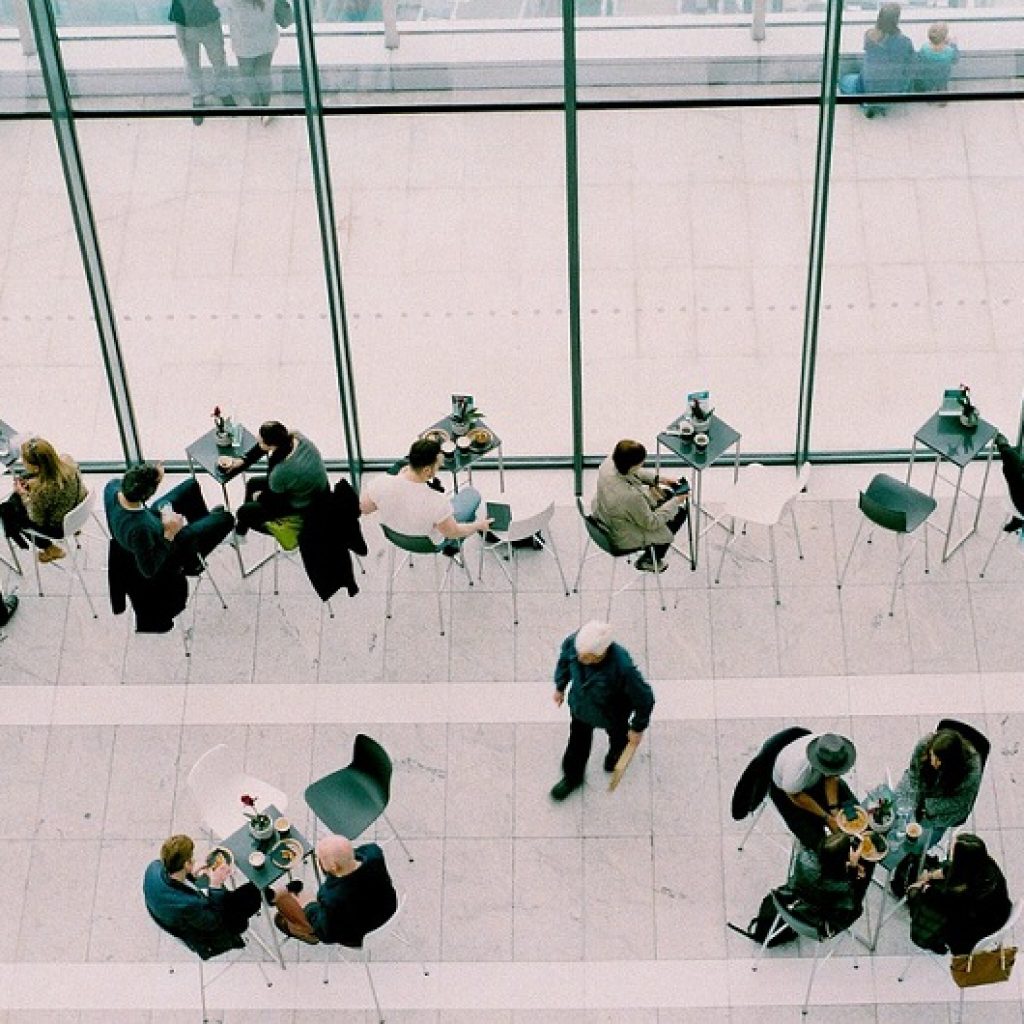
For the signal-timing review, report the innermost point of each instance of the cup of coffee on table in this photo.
(257, 858)
(914, 830)
(283, 825)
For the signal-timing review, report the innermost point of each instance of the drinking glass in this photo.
(5, 446)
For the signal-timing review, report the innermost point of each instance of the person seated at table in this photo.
(942, 780)
(208, 922)
(356, 896)
(172, 533)
(295, 477)
(637, 508)
(1013, 472)
(961, 901)
(807, 787)
(8, 606)
(51, 487)
(831, 881)
(409, 504)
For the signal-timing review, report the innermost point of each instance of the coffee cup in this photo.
(464, 443)
(447, 448)
(700, 440)
(283, 825)
(914, 830)
(225, 462)
(257, 858)
(686, 430)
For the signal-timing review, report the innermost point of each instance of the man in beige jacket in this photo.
(638, 508)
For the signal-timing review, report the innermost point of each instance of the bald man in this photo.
(356, 896)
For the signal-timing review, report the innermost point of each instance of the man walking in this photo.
(606, 691)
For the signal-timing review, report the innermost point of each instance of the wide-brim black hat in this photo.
(831, 754)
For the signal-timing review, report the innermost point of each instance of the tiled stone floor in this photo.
(609, 908)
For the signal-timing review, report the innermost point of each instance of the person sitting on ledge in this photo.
(174, 533)
(409, 504)
(637, 508)
(1013, 471)
(295, 477)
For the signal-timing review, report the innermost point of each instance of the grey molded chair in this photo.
(351, 799)
(420, 546)
(519, 530)
(899, 508)
(598, 536)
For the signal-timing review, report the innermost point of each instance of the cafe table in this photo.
(463, 458)
(241, 844)
(952, 442)
(8, 460)
(721, 437)
(203, 454)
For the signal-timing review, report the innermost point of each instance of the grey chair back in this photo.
(414, 545)
(885, 516)
(978, 740)
(372, 760)
(597, 532)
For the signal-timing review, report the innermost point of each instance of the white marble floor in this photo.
(609, 908)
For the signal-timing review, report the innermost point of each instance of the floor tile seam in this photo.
(483, 701)
(467, 985)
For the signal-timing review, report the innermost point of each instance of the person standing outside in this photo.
(606, 691)
(197, 27)
(254, 38)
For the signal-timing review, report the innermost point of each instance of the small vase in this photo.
(881, 826)
(224, 439)
(262, 830)
(460, 428)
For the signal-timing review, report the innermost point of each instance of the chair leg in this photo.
(755, 818)
(657, 577)
(796, 533)
(202, 990)
(611, 591)
(373, 988)
(906, 968)
(774, 563)
(330, 610)
(849, 557)
(514, 558)
(438, 587)
(899, 573)
(725, 547)
(213, 582)
(810, 980)
(391, 582)
(401, 842)
(999, 536)
(35, 562)
(274, 560)
(78, 575)
(14, 566)
(549, 545)
(583, 562)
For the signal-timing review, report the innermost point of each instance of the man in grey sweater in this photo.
(295, 477)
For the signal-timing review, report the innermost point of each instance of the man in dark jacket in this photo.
(356, 897)
(608, 692)
(8, 606)
(209, 922)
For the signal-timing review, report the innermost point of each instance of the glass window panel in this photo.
(694, 227)
(452, 229)
(54, 380)
(924, 255)
(213, 254)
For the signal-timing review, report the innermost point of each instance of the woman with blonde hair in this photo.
(51, 487)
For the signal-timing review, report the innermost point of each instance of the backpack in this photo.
(761, 925)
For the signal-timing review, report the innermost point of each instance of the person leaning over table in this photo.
(356, 896)
(606, 691)
(942, 780)
(410, 503)
(832, 881)
(960, 902)
(209, 922)
(295, 477)
(634, 509)
(807, 787)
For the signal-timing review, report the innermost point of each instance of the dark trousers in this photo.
(261, 505)
(239, 905)
(5, 615)
(674, 524)
(1013, 470)
(205, 529)
(807, 827)
(581, 737)
(14, 517)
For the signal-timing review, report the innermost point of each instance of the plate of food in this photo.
(873, 847)
(438, 434)
(852, 820)
(218, 857)
(286, 854)
(480, 437)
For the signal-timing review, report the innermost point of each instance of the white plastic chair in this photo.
(761, 497)
(989, 942)
(217, 782)
(521, 530)
(369, 941)
(74, 522)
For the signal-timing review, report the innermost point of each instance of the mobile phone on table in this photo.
(500, 516)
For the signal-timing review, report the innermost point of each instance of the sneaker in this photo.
(562, 788)
(1012, 526)
(51, 554)
(644, 564)
(265, 119)
(197, 119)
(10, 606)
(228, 101)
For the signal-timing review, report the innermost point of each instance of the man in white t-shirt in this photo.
(408, 505)
(807, 787)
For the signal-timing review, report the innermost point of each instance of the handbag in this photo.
(985, 968)
(283, 13)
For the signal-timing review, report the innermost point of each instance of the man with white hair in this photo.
(607, 692)
(356, 896)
